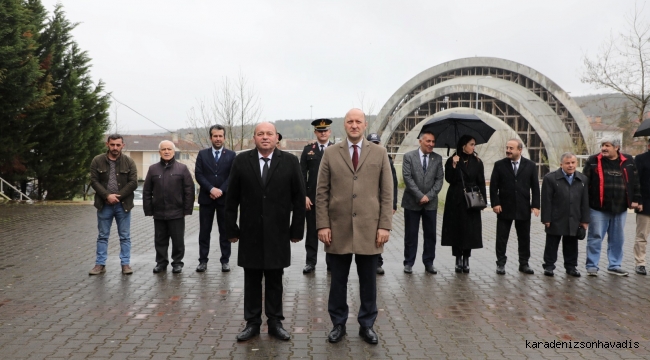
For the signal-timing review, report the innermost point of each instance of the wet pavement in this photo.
(50, 307)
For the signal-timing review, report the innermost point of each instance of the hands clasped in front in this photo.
(325, 236)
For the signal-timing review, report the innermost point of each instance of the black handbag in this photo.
(581, 233)
(473, 197)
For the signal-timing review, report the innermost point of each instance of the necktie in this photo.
(355, 157)
(424, 163)
(515, 167)
(217, 155)
(265, 170)
(322, 148)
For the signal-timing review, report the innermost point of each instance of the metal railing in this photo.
(2, 193)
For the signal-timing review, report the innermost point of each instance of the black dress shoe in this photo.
(336, 334)
(309, 268)
(177, 269)
(225, 267)
(202, 267)
(159, 268)
(526, 269)
(408, 269)
(465, 264)
(430, 269)
(368, 335)
(248, 333)
(380, 270)
(501, 270)
(548, 272)
(279, 332)
(573, 272)
(459, 264)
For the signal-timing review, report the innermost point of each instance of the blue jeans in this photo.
(602, 223)
(104, 221)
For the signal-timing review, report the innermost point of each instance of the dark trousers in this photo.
(163, 230)
(569, 251)
(311, 241)
(523, 239)
(337, 305)
(253, 296)
(411, 229)
(206, 219)
(456, 251)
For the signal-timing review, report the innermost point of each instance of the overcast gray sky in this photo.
(160, 56)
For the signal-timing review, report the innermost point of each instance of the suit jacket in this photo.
(513, 193)
(209, 174)
(564, 206)
(309, 163)
(418, 183)
(642, 163)
(270, 215)
(354, 204)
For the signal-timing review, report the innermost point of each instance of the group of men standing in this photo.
(347, 194)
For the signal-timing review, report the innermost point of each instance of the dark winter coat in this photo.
(168, 191)
(209, 174)
(266, 223)
(564, 206)
(513, 193)
(593, 170)
(127, 179)
(461, 227)
(643, 168)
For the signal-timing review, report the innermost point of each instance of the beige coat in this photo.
(354, 204)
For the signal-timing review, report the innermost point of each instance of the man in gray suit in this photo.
(423, 174)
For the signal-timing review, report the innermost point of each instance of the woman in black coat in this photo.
(462, 228)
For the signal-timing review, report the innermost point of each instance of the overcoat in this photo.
(461, 227)
(209, 174)
(513, 192)
(564, 206)
(418, 183)
(168, 191)
(642, 163)
(266, 222)
(354, 204)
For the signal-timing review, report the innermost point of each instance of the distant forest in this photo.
(612, 108)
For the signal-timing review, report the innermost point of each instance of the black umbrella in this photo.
(643, 129)
(449, 128)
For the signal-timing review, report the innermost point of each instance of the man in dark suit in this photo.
(266, 187)
(309, 163)
(642, 163)
(513, 180)
(423, 177)
(212, 170)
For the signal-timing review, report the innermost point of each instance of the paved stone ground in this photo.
(50, 308)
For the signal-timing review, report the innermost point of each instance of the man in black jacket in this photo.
(212, 170)
(565, 207)
(309, 163)
(266, 187)
(642, 163)
(168, 196)
(513, 180)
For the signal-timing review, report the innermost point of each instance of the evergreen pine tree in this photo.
(72, 130)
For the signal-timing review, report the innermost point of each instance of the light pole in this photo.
(311, 111)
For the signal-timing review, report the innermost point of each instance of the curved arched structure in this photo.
(543, 115)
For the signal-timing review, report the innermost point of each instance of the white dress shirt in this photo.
(350, 143)
(259, 156)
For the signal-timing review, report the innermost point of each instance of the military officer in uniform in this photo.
(309, 162)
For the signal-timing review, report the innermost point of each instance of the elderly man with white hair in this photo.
(168, 196)
(613, 188)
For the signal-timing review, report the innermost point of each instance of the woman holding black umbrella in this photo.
(462, 227)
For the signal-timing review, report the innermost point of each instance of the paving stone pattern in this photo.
(51, 308)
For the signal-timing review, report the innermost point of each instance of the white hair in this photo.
(169, 141)
(615, 141)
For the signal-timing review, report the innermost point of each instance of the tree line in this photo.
(53, 117)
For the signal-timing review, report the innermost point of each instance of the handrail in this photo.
(3, 181)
